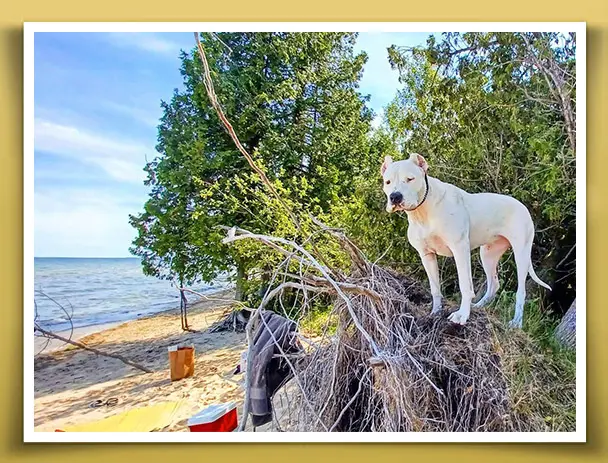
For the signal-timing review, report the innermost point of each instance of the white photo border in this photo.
(30, 28)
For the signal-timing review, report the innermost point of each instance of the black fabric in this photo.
(268, 374)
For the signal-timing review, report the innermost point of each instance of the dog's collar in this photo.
(426, 192)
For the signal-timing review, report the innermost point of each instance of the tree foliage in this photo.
(490, 111)
(293, 100)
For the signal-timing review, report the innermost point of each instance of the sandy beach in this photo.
(67, 379)
(45, 345)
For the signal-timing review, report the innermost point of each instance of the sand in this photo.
(69, 379)
(46, 345)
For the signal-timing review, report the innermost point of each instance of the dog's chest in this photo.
(427, 240)
(435, 244)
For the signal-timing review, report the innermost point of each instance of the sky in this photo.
(97, 103)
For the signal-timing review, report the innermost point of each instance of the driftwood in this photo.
(50, 334)
(390, 366)
(565, 333)
(235, 321)
(183, 311)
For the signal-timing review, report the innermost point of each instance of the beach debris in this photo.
(51, 335)
(268, 368)
(215, 418)
(81, 345)
(100, 402)
(233, 320)
(181, 362)
(383, 362)
(39, 330)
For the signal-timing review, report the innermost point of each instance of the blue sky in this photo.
(97, 102)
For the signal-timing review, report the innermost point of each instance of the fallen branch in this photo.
(218, 299)
(387, 365)
(324, 271)
(50, 334)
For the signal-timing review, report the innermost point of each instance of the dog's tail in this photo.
(538, 280)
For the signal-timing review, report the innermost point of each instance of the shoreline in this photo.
(44, 346)
(68, 380)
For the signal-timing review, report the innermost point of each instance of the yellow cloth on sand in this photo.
(143, 419)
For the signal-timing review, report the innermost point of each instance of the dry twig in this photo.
(48, 334)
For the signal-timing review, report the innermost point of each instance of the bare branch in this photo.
(52, 335)
(208, 81)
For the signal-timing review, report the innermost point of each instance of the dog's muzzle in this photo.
(396, 198)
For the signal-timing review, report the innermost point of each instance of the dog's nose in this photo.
(396, 197)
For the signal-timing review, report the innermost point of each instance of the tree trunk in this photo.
(184, 310)
(565, 333)
(241, 277)
(181, 308)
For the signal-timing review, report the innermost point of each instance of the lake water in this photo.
(102, 291)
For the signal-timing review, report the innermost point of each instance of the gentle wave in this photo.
(99, 291)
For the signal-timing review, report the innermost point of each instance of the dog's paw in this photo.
(436, 310)
(437, 305)
(458, 317)
(516, 324)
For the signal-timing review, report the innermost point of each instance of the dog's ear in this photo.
(387, 162)
(419, 161)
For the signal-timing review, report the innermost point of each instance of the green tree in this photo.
(167, 239)
(293, 99)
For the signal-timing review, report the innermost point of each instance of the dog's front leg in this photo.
(429, 261)
(462, 256)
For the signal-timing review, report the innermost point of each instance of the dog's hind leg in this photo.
(490, 256)
(522, 253)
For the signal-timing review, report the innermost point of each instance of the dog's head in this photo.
(404, 183)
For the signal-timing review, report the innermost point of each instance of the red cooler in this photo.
(215, 418)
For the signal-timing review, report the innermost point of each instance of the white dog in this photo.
(447, 221)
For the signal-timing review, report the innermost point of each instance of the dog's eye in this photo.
(409, 179)
(388, 182)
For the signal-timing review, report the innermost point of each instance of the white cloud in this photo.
(145, 41)
(122, 160)
(81, 223)
(149, 118)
